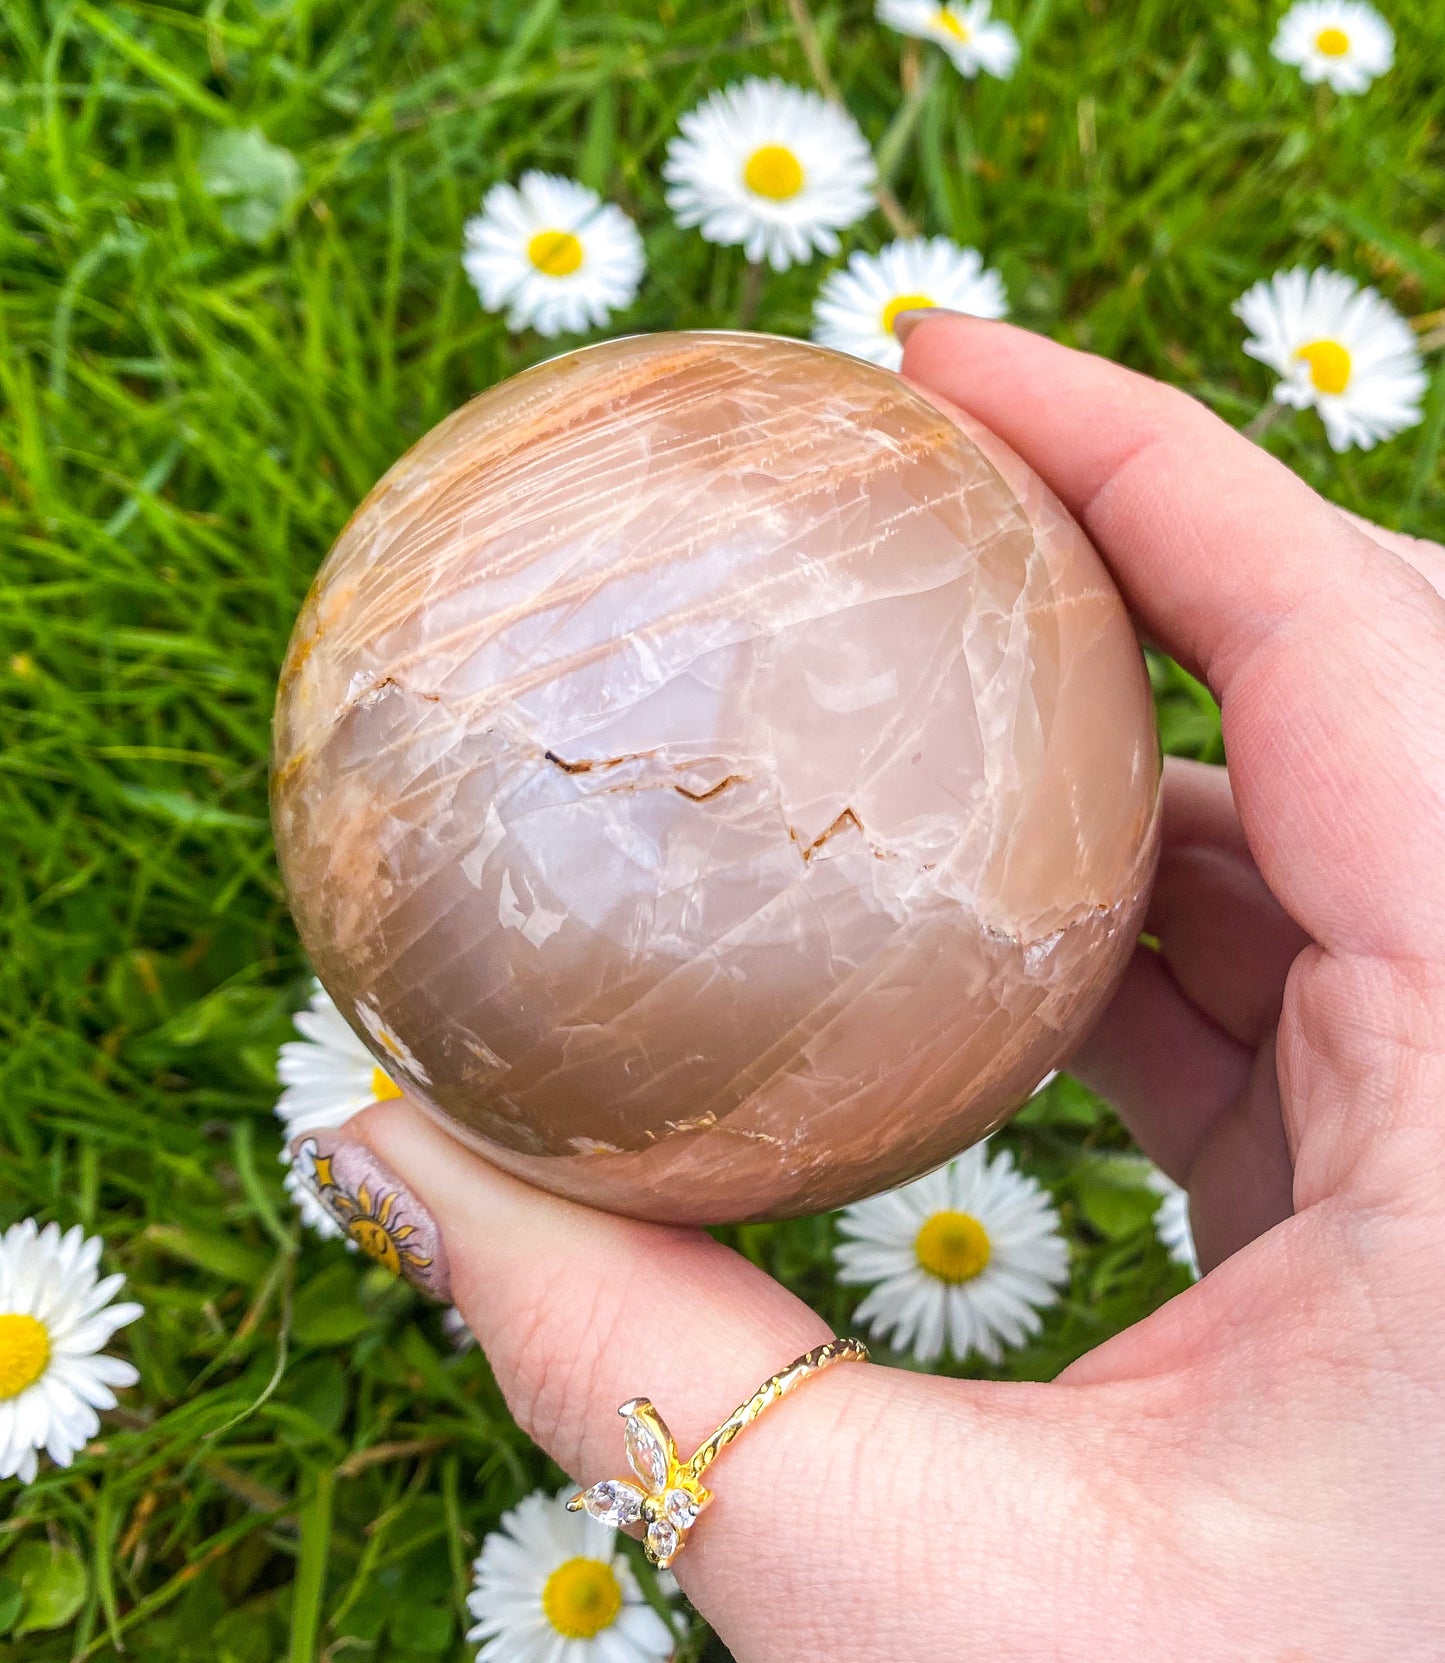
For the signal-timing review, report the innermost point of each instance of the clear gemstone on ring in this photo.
(614, 1503)
(681, 1508)
(646, 1453)
(662, 1540)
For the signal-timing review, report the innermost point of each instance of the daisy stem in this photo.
(892, 210)
(1263, 419)
(812, 45)
(752, 293)
(900, 129)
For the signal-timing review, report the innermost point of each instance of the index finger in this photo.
(578, 1311)
(1324, 648)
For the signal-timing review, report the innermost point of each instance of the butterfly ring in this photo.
(671, 1493)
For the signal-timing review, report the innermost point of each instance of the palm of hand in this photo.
(1255, 1471)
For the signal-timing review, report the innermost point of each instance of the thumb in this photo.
(839, 1508)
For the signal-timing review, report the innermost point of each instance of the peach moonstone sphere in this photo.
(716, 781)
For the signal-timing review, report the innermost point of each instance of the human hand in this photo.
(1257, 1470)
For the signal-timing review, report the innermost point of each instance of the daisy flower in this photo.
(771, 168)
(1171, 1222)
(328, 1076)
(966, 1256)
(551, 1587)
(856, 306)
(312, 1214)
(1339, 41)
(973, 39)
(54, 1318)
(301, 1185)
(552, 254)
(1337, 347)
(459, 1335)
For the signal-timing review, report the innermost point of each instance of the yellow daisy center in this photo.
(904, 303)
(945, 20)
(383, 1087)
(555, 253)
(1329, 364)
(774, 172)
(582, 1597)
(1334, 43)
(24, 1353)
(952, 1246)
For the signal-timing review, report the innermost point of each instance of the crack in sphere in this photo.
(727, 777)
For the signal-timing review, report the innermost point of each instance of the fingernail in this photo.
(374, 1208)
(906, 322)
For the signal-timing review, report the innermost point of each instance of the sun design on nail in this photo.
(671, 1495)
(373, 1222)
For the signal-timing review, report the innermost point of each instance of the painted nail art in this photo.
(374, 1208)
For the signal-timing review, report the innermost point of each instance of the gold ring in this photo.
(672, 1493)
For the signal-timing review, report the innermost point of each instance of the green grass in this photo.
(210, 347)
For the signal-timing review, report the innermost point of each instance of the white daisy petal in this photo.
(459, 1335)
(1340, 42)
(550, 1587)
(1337, 347)
(103, 1292)
(973, 39)
(1171, 1221)
(91, 1334)
(770, 168)
(931, 1326)
(980, 1258)
(313, 1215)
(54, 1317)
(856, 306)
(552, 255)
(328, 1075)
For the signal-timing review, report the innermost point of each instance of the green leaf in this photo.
(182, 810)
(326, 1311)
(224, 1015)
(1064, 1102)
(427, 1632)
(1184, 730)
(52, 1583)
(221, 1255)
(318, 1390)
(254, 181)
(245, 1637)
(1114, 1197)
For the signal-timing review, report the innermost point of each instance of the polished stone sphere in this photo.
(717, 781)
